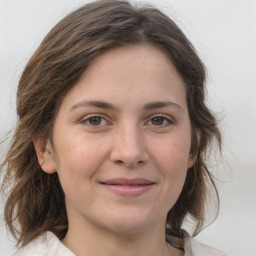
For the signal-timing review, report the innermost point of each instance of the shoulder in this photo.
(44, 245)
(194, 248)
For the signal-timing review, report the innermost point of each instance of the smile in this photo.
(128, 187)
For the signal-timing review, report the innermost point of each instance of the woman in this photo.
(108, 156)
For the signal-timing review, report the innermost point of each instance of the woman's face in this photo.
(122, 140)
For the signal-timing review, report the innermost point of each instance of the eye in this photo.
(94, 121)
(160, 121)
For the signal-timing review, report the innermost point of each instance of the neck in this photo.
(92, 240)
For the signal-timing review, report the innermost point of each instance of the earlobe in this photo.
(195, 140)
(45, 155)
(191, 161)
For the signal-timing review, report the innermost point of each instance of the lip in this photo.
(128, 187)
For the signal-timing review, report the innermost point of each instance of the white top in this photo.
(48, 244)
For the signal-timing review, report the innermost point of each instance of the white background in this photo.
(224, 33)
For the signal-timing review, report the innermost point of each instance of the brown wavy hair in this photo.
(35, 201)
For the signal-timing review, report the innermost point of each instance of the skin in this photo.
(130, 137)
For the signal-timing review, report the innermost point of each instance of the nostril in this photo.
(120, 162)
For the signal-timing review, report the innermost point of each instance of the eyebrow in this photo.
(93, 103)
(106, 105)
(161, 104)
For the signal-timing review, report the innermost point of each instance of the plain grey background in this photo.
(224, 34)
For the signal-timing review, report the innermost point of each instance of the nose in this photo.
(129, 148)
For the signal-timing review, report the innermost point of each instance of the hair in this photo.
(36, 202)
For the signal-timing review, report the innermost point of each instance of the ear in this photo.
(45, 155)
(195, 140)
(191, 160)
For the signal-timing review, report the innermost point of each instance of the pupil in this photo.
(95, 120)
(157, 120)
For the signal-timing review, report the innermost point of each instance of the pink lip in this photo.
(128, 187)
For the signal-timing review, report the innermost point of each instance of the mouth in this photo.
(128, 187)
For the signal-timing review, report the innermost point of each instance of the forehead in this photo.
(128, 74)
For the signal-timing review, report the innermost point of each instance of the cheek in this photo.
(173, 151)
(78, 159)
(78, 150)
(174, 171)
(174, 168)
(171, 157)
(77, 164)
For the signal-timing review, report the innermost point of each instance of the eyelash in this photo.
(86, 121)
(166, 121)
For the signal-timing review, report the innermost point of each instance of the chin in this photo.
(130, 223)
